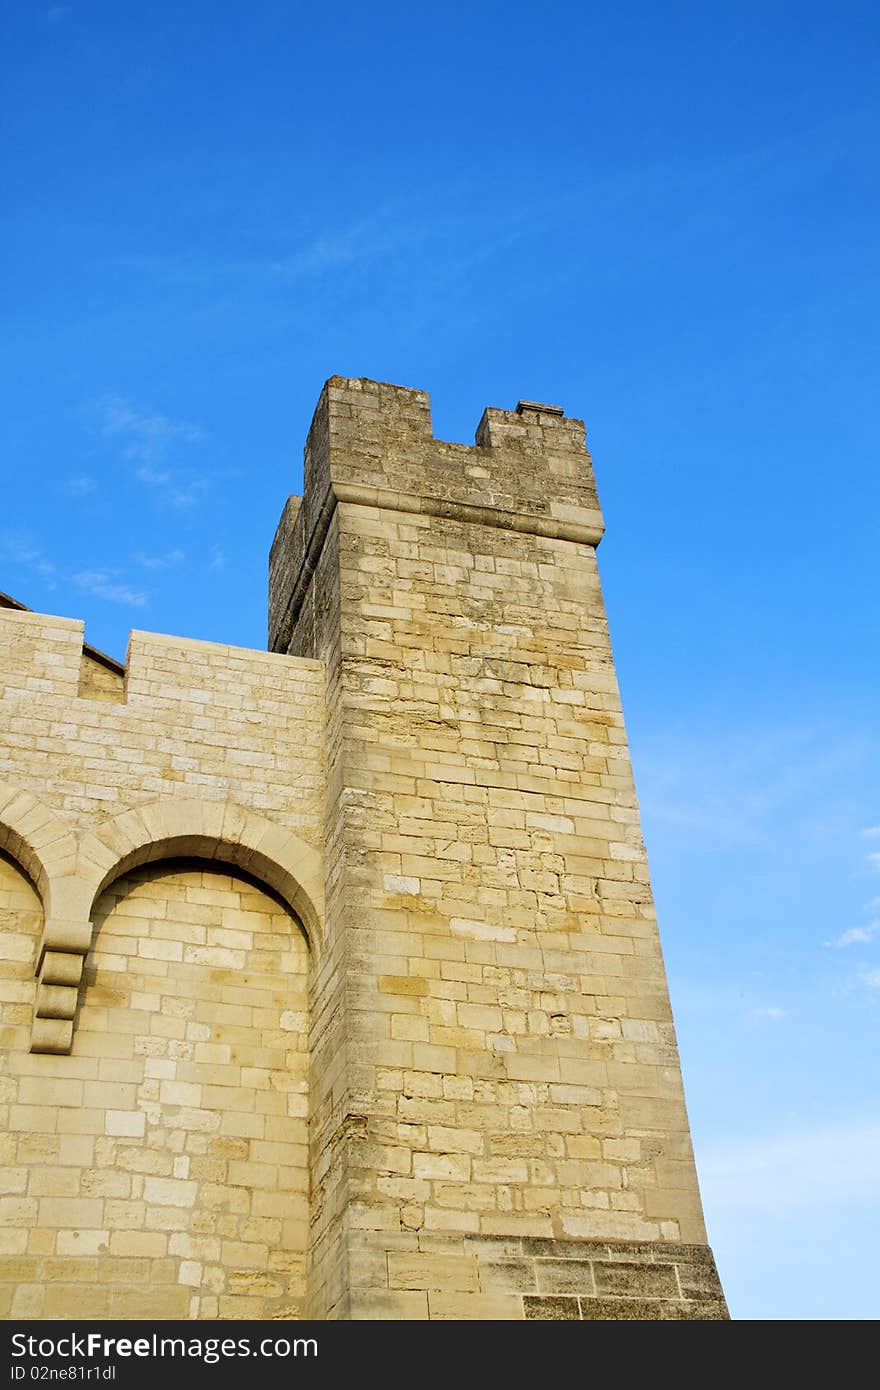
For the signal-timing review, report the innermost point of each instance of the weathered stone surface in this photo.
(636, 1281)
(565, 1276)
(552, 1308)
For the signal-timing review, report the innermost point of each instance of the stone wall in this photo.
(154, 1077)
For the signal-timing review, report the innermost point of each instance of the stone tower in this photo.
(498, 1123)
(330, 983)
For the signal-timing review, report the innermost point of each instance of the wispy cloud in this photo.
(146, 434)
(81, 485)
(736, 795)
(150, 442)
(444, 230)
(168, 561)
(871, 832)
(871, 978)
(103, 584)
(188, 494)
(218, 560)
(798, 1169)
(155, 476)
(856, 936)
(770, 1012)
(106, 584)
(365, 240)
(20, 551)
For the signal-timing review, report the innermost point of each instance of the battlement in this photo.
(186, 714)
(372, 444)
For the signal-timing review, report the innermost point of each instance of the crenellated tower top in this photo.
(372, 444)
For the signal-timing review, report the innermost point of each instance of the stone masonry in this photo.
(330, 981)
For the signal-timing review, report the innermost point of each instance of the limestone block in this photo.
(56, 1001)
(67, 935)
(52, 1035)
(61, 968)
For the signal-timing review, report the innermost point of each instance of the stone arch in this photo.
(189, 828)
(213, 830)
(43, 846)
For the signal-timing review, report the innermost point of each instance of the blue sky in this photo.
(662, 217)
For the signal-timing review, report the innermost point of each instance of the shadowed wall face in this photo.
(21, 921)
(161, 1169)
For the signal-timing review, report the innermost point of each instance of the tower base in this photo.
(427, 1275)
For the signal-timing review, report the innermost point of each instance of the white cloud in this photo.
(190, 493)
(871, 832)
(871, 978)
(218, 560)
(102, 585)
(364, 240)
(148, 433)
(168, 561)
(81, 485)
(874, 860)
(19, 551)
(795, 1170)
(770, 1012)
(855, 936)
(734, 791)
(152, 475)
(147, 438)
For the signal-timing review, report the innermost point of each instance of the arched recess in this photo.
(221, 831)
(177, 1137)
